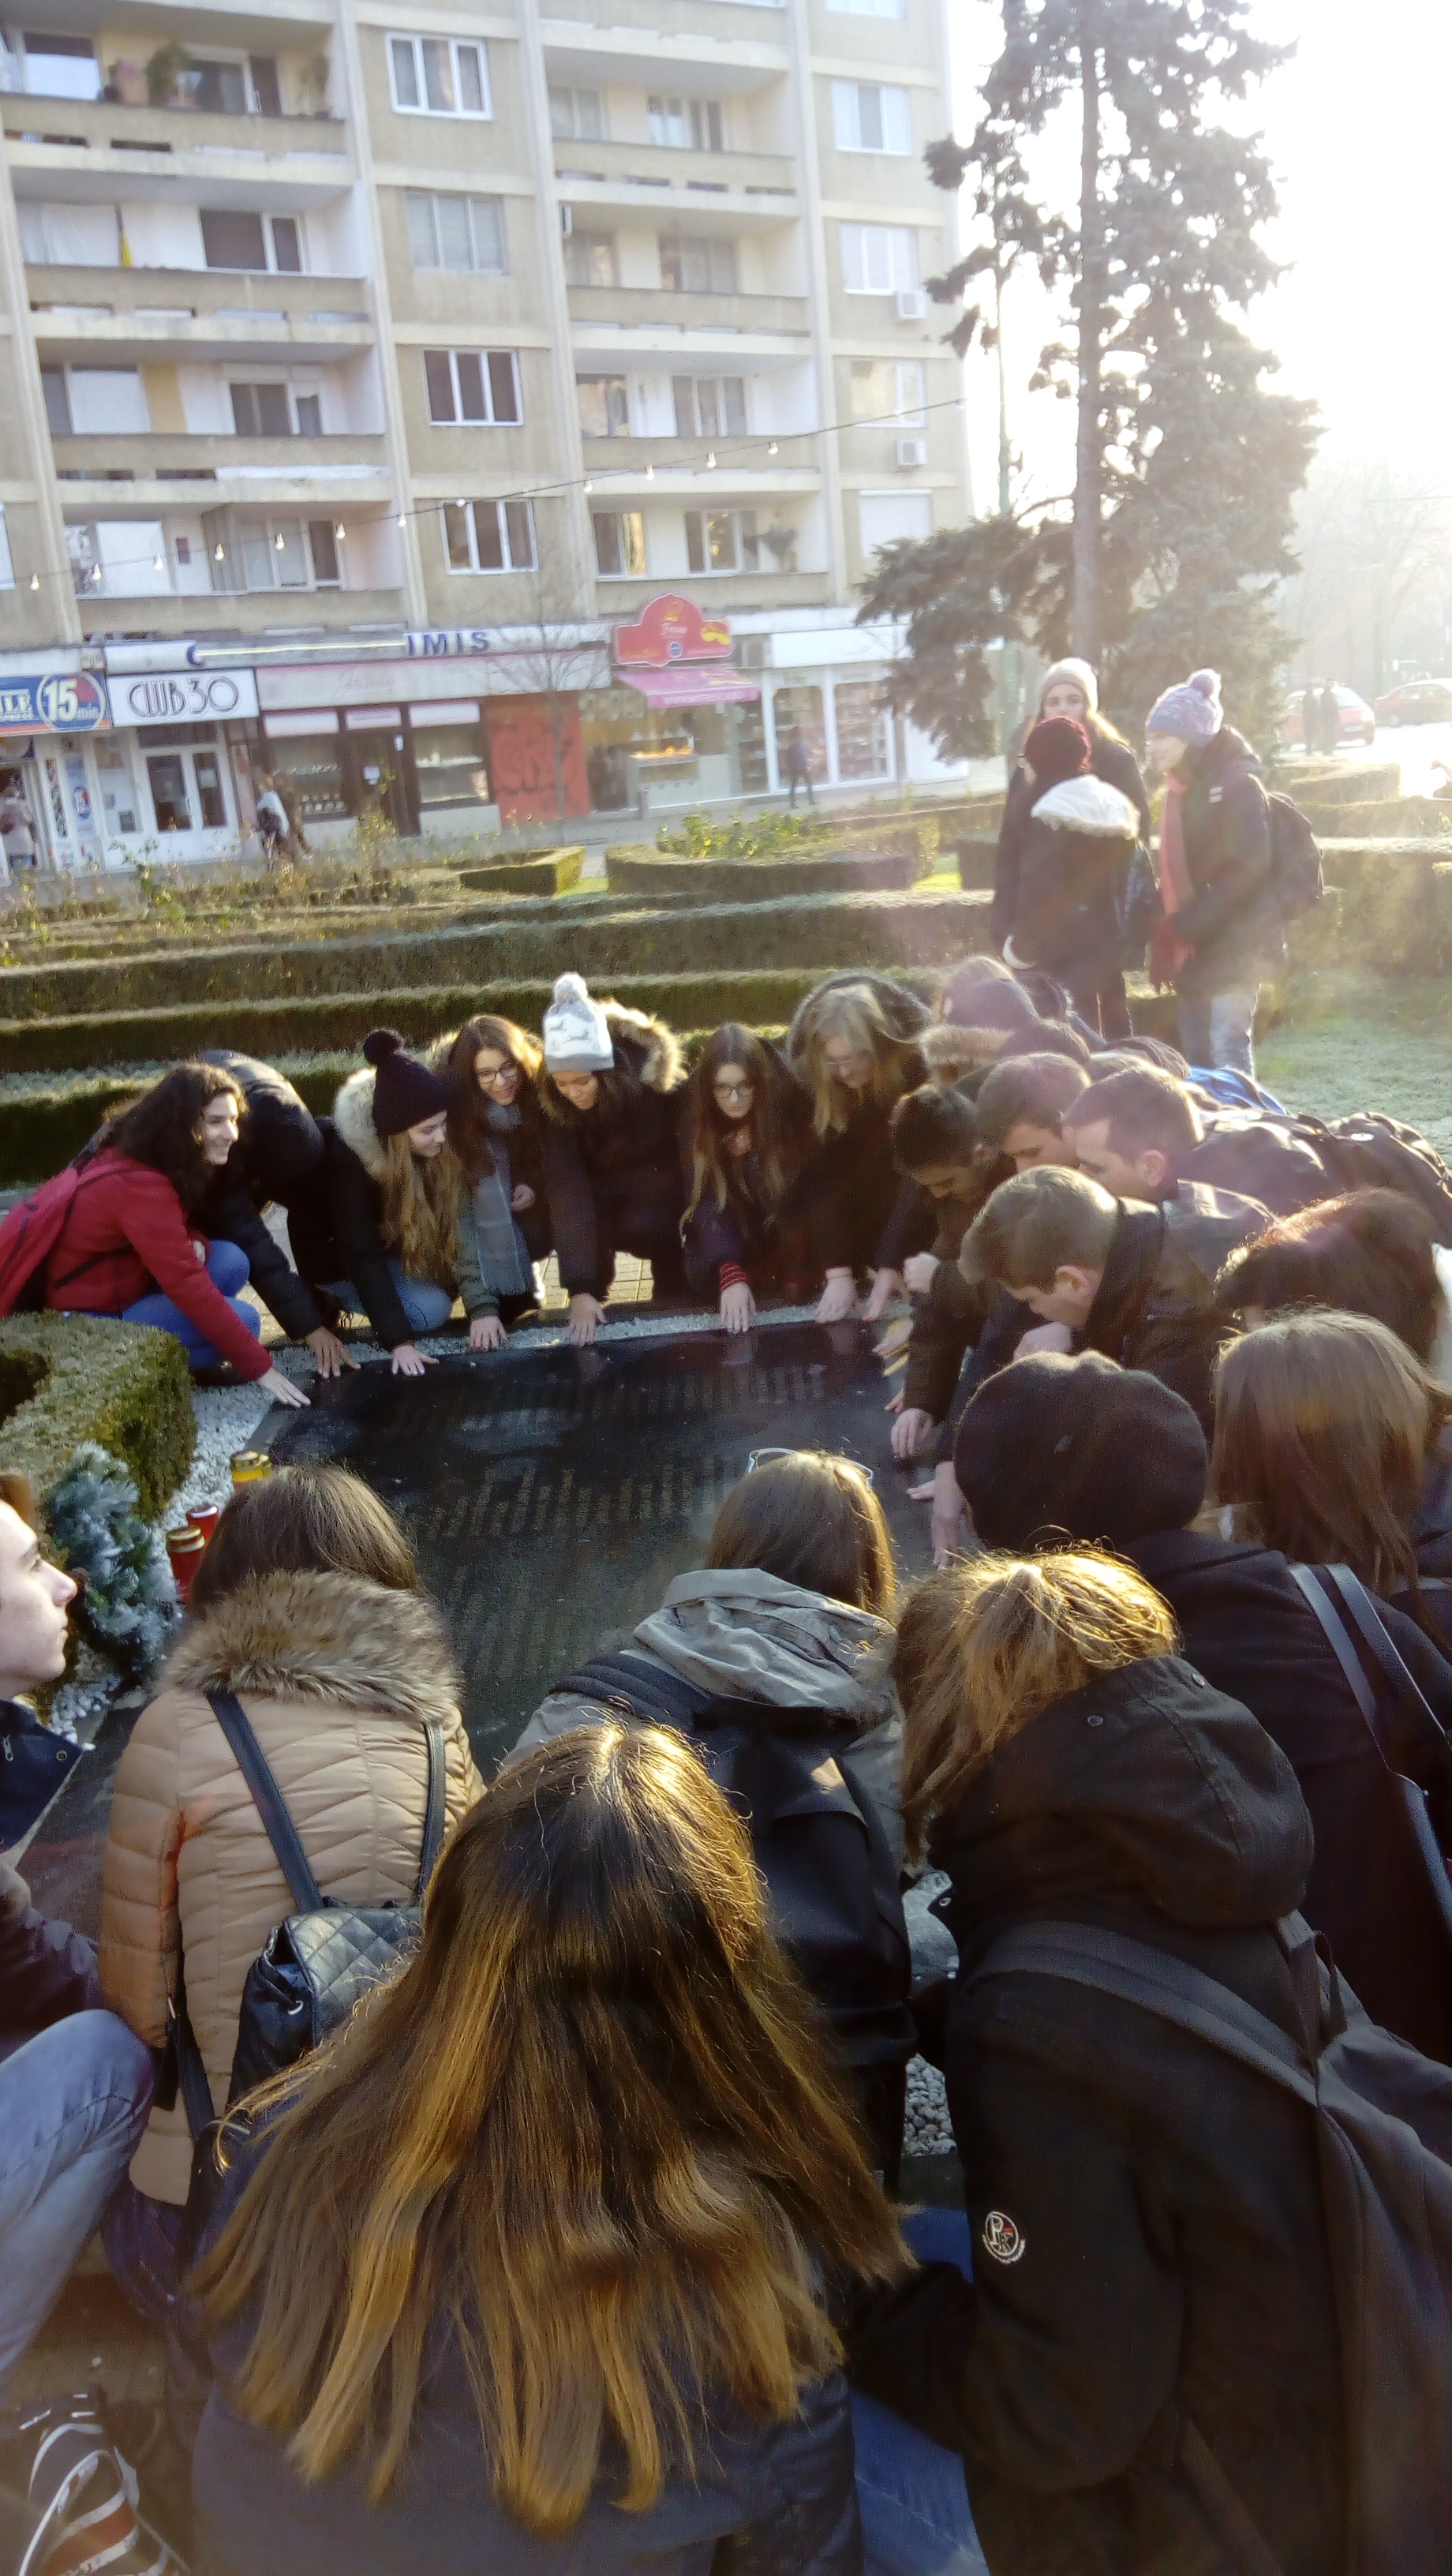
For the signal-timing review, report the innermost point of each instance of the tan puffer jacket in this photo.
(338, 1677)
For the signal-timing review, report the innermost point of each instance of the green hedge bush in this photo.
(1334, 783)
(69, 1378)
(1389, 817)
(976, 860)
(645, 871)
(546, 873)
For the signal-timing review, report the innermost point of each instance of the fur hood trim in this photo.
(353, 1119)
(949, 1051)
(645, 1048)
(329, 1637)
(1091, 806)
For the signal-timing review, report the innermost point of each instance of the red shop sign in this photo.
(673, 630)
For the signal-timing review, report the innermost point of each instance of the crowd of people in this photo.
(577, 2241)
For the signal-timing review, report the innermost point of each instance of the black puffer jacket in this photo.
(1158, 2253)
(1233, 922)
(276, 1159)
(338, 1230)
(746, 1235)
(848, 1194)
(1060, 873)
(623, 1153)
(1246, 1626)
(1260, 1159)
(1115, 763)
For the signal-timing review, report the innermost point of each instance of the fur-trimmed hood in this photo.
(329, 1637)
(1091, 806)
(949, 1052)
(353, 1119)
(646, 1050)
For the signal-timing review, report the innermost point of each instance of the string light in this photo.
(158, 563)
(35, 581)
(340, 532)
(587, 485)
(402, 521)
(280, 543)
(772, 448)
(710, 460)
(220, 556)
(650, 473)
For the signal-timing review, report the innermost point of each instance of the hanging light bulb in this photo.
(220, 555)
(587, 485)
(772, 448)
(158, 563)
(710, 460)
(461, 505)
(280, 542)
(340, 532)
(35, 581)
(650, 473)
(402, 519)
(95, 572)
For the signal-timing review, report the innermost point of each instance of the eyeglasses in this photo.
(502, 1073)
(768, 1458)
(734, 1090)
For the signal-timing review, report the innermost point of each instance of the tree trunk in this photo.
(557, 746)
(1089, 463)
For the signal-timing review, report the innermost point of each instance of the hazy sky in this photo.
(1358, 126)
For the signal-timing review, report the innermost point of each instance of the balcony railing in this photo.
(107, 125)
(680, 178)
(652, 307)
(155, 312)
(148, 454)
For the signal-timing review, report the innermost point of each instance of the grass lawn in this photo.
(1347, 1045)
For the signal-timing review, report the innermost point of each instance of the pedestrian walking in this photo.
(16, 830)
(796, 761)
(1221, 930)
(1043, 894)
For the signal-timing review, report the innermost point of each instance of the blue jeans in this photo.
(912, 2494)
(73, 2103)
(227, 1269)
(1216, 1028)
(427, 1306)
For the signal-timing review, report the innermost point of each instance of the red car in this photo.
(1416, 702)
(1358, 724)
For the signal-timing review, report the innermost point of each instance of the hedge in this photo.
(645, 871)
(551, 872)
(1328, 783)
(1388, 817)
(976, 860)
(69, 1378)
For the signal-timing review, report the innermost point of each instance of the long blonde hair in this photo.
(421, 1209)
(592, 2130)
(1322, 1426)
(985, 1646)
(852, 1011)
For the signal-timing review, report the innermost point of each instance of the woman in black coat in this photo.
(853, 1045)
(743, 1141)
(1151, 2321)
(1222, 929)
(1071, 692)
(610, 1146)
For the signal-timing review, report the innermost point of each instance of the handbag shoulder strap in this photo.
(268, 1799)
(1339, 1640)
(1366, 1611)
(436, 1811)
(1316, 1583)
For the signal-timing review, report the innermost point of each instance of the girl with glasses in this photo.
(745, 1137)
(490, 1069)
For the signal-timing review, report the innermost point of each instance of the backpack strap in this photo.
(1366, 1611)
(435, 1812)
(641, 1688)
(190, 2077)
(1339, 1636)
(268, 1799)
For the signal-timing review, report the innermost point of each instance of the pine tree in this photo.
(1186, 465)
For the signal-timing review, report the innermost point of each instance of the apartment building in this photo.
(458, 410)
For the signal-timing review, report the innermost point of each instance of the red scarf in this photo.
(1176, 889)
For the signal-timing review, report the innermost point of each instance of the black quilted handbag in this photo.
(319, 1962)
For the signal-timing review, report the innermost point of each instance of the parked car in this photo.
(1416, 702)
(1358, 724)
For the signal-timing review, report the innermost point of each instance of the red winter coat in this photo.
(126, 1234)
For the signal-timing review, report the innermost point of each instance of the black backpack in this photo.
(317, 1964)
(1369, 1151)
(829, 1871)
(1384, 2133)
(1296, 873)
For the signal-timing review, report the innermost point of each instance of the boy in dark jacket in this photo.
(1055, 1448)
(936, 1142)
(1222, 930)
(1139, 1133)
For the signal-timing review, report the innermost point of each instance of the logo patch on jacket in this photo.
(1002, 2238)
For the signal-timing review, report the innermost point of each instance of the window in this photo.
(489, 536)
(94, 402)
(590, 259)
(57, 401)
(261, 411)
(878, 259)
(219, 87)
(892, 393)
(61, 66)
(722, 541)
(863, 743)
(709, 406)
(231, 239)
(889, 516)
(697, 264)
(687, 124)
(865, 8)
(270, 553)
(186, 785)
(619, 543)
(323, 546)
(871, 116)
(576, 115)
(448, 763)
(456, 232)
(439, 76)
(472, 385)
(604, 406)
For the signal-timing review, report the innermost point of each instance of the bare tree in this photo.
(560, 652)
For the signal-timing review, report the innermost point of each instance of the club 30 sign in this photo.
(184, 697)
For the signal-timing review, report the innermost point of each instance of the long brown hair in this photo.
(468, 1108)
(852, 1011)
(707, 1129)
(304, 1520)
(421, 1209)
(1322, 1426)
(811, 1519)
(163, 1129)
(591, 2129)
(985, 1646)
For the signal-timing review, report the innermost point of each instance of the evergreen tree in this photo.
(1186, 465)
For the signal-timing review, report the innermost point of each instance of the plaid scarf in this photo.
(503, 1252)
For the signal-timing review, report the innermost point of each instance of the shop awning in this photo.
(683, 688)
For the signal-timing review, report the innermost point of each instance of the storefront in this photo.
(407, 739)
(678, 726)
(53, 717)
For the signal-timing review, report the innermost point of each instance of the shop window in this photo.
(576, 115)
(619, 543)
(489, 536)
(879, 259)
(118, 794)
(450, 763)
(889, 392)
(800, 706)
(604, 406)
(472, 386)
(709, 406)
(687, 124)
(722, 541)
(863, 740)
(232, 238)
(187, 793)
(453, 232)
(309, 770)
(590, 260)
(697, 264)
(439, 76)
(871, 116)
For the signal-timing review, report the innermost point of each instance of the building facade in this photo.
(375, 369)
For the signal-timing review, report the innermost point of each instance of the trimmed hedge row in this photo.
(69, 1378)
(555, 872)
(47, 1020)
(1387, 817)
(645, 871)
(1331, 782)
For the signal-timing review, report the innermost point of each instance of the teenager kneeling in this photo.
(744, 1138)
(524, 2270)
(853, 1045)
(611, 1157)
(383, 1232)
(491, 1068)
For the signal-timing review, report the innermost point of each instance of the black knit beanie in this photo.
(1055, 1447)
(405, 1093)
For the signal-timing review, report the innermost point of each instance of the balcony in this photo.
(642, 320)
(87, 151)
(699, 191)
(150, 314)
(261, 471)
(744, 48)
(617, 467)
(727, 593)
(252, 613)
